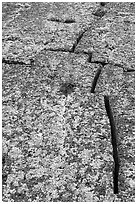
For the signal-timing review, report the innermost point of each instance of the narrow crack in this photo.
(103, 63)
(129, 70)
(68, 21)
(82, 52)
(89, 57)
(55, 20)
(94, 83)
(114, 143)
(6, 61)
(78, 40)
(57, 49)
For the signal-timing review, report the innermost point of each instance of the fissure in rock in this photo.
(114, 143)
(94, 83)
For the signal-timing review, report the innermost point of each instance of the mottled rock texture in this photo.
(59, 62)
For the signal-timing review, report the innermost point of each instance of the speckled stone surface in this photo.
(111, 40)
(56, 144)
(124, 113)
(69, 158)
(52, 141)
(111, 80)
(123, 105)
(33, 27)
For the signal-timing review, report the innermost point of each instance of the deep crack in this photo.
(114, 143)
(129, 70)
(89, 57)
(69, 21)
(94, 83)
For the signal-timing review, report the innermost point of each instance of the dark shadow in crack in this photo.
(94, 83)
(114, 143)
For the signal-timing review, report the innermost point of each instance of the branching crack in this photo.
(114, 143)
